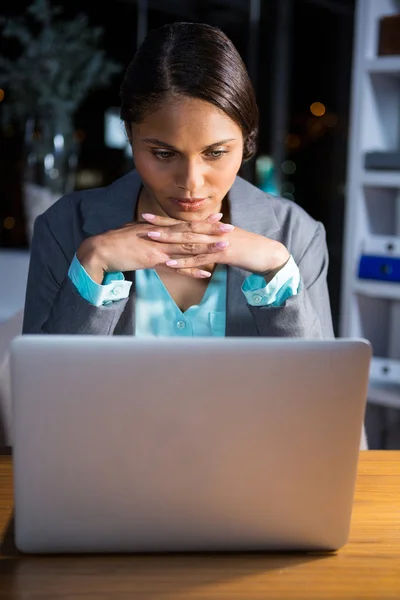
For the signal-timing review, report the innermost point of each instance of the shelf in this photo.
(384, 387)
(384, 394)
(381, 179)
(384, 65)
(377, 289)
(382, 245)
(385, 371)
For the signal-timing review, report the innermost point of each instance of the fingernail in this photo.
(148, 216)
(171, 263)
(215, 217)
(226, 227)
(154, 234)
(204, 273)
(222, 244)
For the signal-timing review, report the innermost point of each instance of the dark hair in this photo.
(195, 60)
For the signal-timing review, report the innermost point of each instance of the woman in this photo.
(181, 246)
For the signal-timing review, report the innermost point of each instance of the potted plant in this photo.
(59, 62)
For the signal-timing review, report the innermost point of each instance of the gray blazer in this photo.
(53, 304)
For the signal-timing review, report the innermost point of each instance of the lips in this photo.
(189, 200)
(190, 204)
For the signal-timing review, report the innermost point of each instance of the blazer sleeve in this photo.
(52, 303)
(308, 313)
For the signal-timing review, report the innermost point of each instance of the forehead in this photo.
(182, 121)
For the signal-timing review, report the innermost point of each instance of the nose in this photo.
(190, 177)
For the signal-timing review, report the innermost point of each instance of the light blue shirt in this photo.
(158, 315)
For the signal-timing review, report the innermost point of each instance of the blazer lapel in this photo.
(250, 210)
(115, 207)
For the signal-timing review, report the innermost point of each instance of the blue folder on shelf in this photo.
(382, 268)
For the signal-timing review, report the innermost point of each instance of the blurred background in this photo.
(61, 65)
(299, 57)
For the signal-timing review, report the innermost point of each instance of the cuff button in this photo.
(117, 290)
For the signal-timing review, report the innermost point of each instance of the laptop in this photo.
(126, 444)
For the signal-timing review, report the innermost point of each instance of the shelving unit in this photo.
(371, 309)
(378, 289)
(389, 65)
(389, 179)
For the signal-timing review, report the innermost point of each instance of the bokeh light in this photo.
(9, 223)
(49, 162)
(331, 120)
(314, 126)
(317, 109)
(292, 141)
(287, 187)
(288, 167)
(58, 141)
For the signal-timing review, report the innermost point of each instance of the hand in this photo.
(239, 248)
(131, 247)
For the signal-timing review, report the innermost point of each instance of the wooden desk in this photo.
(367, 567)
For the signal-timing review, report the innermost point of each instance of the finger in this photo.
(160, 221)
(214, 218)
(196, 273)
(183, 250)
(171, 236)
(198, 249)
(198, 227)
(169, 221)
(190, 261)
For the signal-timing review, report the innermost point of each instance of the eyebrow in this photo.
(170, 147)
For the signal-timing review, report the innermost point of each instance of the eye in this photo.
(163, 154)
(215, 154)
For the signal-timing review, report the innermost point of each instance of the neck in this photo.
(147, 204)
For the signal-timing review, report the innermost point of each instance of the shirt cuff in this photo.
(285, 284)
(113, 288)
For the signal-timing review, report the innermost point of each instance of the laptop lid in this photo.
(176, 444)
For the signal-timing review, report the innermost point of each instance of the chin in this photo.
(192, 216)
